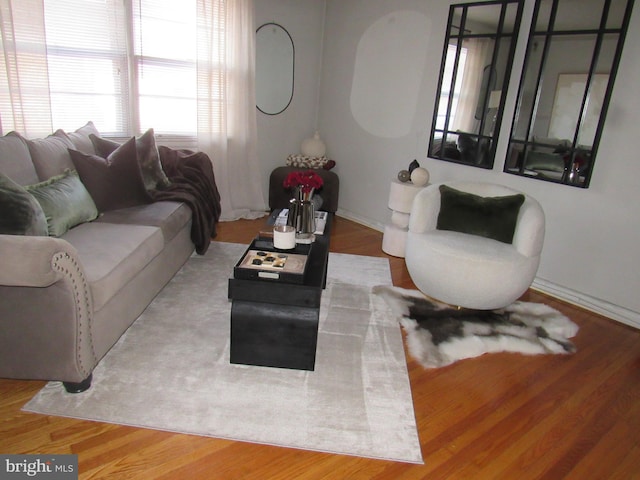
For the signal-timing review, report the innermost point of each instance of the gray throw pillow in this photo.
(113, 182)
(147, 156)
(80, 138)
(15, 159)
(20, 212)
(103, 146)
(50, 155)
(65, 202)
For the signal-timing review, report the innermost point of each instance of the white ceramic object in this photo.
(401, 196)
(313, 147)
(420, 176)
(400, 219)
(284, 237)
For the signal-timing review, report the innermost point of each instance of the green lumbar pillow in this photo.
(65, 202)
(20, 213)
(491, 217)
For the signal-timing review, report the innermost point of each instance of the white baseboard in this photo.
(361, 220)
(601, 307)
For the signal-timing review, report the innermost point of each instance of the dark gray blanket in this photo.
(192, 182)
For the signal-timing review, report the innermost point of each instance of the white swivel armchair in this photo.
(471, 270)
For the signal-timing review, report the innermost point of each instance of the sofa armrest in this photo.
(425, 210)
(528, 237)
(29, 261)
(47, 330)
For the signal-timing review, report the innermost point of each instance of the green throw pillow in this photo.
(20, 212)
(65, 202)
(491, 217)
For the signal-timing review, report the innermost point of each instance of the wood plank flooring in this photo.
(502, 416)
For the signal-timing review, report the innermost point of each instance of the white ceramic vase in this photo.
(313, 147)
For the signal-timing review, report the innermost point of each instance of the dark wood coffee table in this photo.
(275, 324)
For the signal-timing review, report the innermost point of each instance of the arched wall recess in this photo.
(474, 76)
(275, 65)
(572, 57)
(386, 86)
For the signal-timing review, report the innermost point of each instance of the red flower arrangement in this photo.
(306, 181)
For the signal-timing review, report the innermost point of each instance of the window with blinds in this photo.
(87, 59)
(128, 65)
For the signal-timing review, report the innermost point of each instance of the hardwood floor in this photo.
(501, 416)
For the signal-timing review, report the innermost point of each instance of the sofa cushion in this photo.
(469, 249)
(65, 202)
(113, 254)
(148, 158)
(490, 217)
(171, 217)
(15, 159)
(50, 155)
(113, 182)
(20, 212)
(81, 140)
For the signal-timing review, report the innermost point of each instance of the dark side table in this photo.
(279, 197)
(275, 324)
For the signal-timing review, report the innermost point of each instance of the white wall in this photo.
(281, 135)
(591, 252)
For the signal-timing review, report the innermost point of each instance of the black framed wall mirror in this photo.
(275, 63)
(474, 74)
(572, 57)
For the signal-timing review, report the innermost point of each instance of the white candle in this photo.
(284, 237)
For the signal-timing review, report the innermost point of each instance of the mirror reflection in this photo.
(274, 68)
(572, 56)
(475, 69)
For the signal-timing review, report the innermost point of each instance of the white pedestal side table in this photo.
(401, 197)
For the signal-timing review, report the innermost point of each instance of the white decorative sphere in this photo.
(313, 147)
(420, 176)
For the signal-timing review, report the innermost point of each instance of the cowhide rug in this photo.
(439, 334)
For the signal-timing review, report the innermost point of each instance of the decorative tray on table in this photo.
(263, 261)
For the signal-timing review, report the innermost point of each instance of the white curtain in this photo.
(25, 105)
(230, 137)
(226, 112)
(478, 50)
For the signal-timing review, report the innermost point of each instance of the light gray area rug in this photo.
(171, 370)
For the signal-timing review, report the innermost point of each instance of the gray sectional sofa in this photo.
(69, 292)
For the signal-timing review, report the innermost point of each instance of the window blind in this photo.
(128, 65)
(165, 51)
(87, 52)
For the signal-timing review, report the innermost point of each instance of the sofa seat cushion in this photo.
(113, 254)
(468, 270)
(171, 217)
(467, 248)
